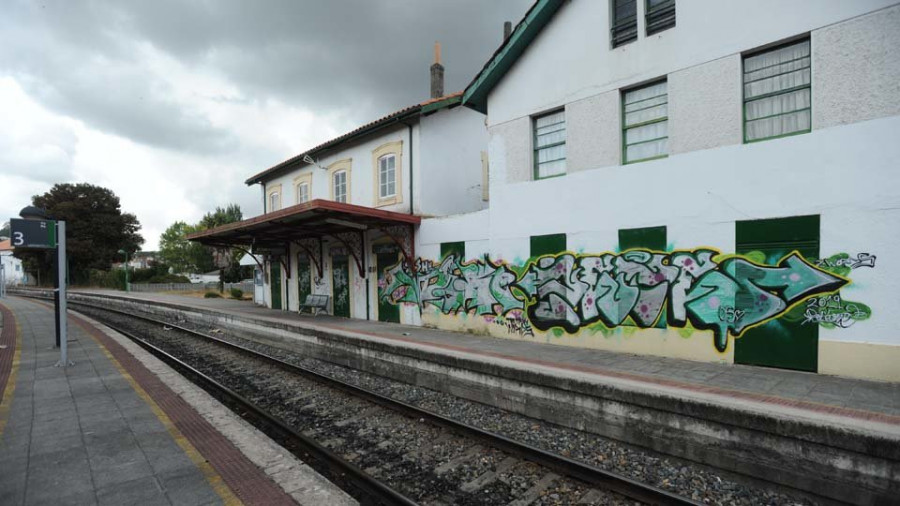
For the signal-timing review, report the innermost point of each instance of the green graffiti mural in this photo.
(696, 289)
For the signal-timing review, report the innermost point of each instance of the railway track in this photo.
(380, 450)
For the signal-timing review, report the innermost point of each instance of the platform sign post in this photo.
(2, 279)
(35, 232)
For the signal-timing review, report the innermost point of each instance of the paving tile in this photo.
(44, 445)
(188, 487)
(143, 491)
(118, 469)
(87, 498)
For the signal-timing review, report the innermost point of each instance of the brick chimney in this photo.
(437, 73)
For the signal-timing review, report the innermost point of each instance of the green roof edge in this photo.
(508, 53)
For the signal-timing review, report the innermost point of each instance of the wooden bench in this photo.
(315, 304)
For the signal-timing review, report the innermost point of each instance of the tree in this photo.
(185, 256)
(4, 230)
(96, 229)
(222, 216)
(182, 255)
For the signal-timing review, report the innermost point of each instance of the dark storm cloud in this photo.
(361, 58)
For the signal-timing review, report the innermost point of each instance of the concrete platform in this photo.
(835, 437)
(118, 427)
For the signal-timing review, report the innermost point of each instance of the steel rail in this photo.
(607, 479)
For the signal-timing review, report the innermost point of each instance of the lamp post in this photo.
(123, 252)
(48, 234)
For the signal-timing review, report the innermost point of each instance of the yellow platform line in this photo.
(10, 388)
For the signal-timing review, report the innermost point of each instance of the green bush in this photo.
(211, 295)
(237, 293)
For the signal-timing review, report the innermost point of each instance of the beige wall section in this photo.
(705, 106)
(860, 360)
(594, 133)
(389, 148)
(345, 164)
(856, 69)
(518, 161)
(698, 345)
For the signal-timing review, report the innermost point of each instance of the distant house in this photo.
(208, 277)
(13, 271)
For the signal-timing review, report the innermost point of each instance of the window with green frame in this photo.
(777, 92)
(652, 238)
(457, 248)
(549, 244)
(550, 144)
(660, 15)
(645, 122)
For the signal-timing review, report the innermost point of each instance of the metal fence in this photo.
(247, 288)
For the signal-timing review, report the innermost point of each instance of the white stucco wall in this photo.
(362, 174)
(451, 145)
(705, 105)
(856, 72)
(847, 175)
(593, 132)
(571, 58)
(14, 272)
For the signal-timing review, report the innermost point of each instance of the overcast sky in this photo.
(173, 104)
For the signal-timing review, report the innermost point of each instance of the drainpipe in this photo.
(410, 127)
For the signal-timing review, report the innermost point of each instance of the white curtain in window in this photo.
(550, 144)
(777, 92)
(647, 107)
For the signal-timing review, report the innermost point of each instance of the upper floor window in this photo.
(303, 187)
(550, 145)
(302, 193)
(273, 200)
(339, 186)
(645, 122)
(387, 173)
(777, 99)
(624, 22)
(387, 176)
(660, 15)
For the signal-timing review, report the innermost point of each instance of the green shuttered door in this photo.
(304, 278)
(275, 282)
(386, 256)
(340, 277)
(784, 342)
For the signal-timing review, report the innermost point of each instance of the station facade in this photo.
(708, 180)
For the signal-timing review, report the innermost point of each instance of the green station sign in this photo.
(35, 234)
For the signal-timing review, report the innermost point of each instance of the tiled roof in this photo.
(370, 127)
(6, 245)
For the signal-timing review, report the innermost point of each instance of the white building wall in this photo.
(571, 58)
(844, 170)
(451, 145)
(14, 272)
(362, 190)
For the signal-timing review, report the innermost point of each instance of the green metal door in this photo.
(340, 284)
(386, 257)
(784, 342)
(275, 283)
(304, 278)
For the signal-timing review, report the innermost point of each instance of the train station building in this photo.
(640, 177)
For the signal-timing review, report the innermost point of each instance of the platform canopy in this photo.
(307, 224)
